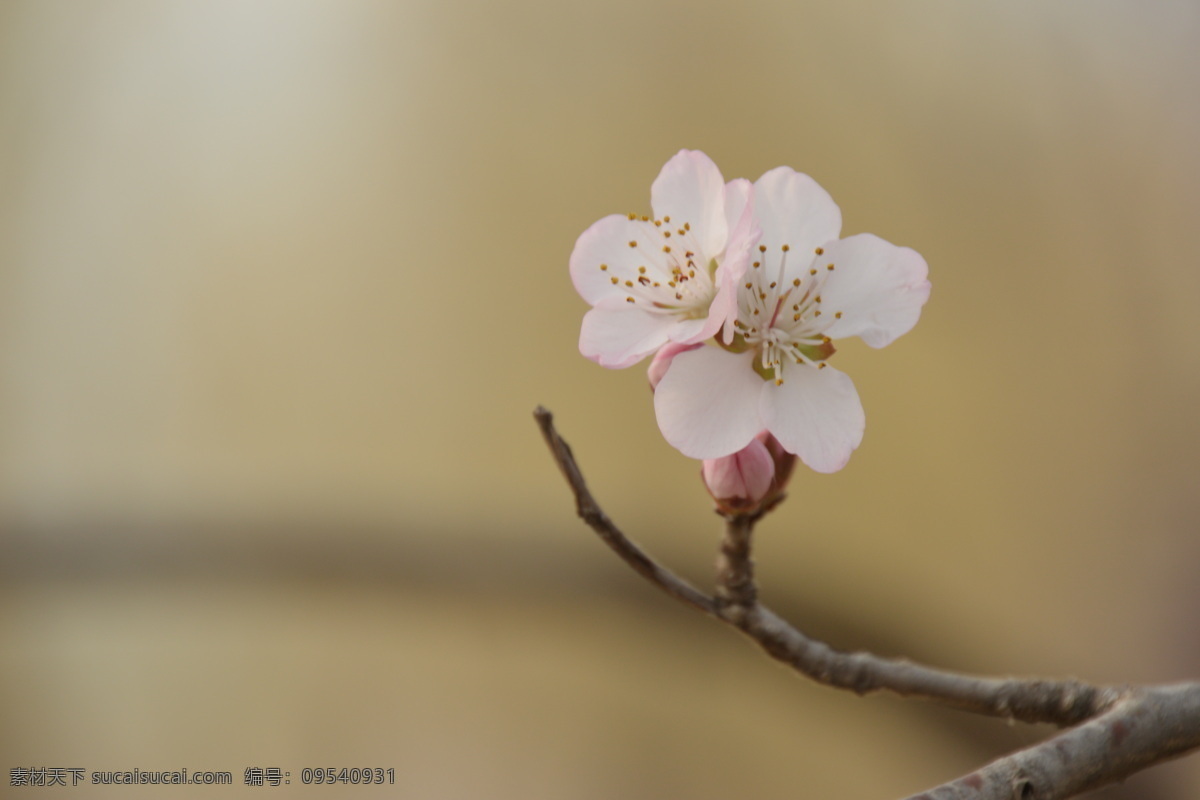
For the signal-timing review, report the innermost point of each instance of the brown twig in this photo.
(1147, 726)
(1124, 730)
(587, 509)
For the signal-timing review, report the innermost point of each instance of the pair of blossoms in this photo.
(738, 291)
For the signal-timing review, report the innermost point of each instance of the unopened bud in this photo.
(785, 462)
(739, 482)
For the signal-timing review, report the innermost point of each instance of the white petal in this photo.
(692, 331)
(605, 243)
(707, 403)
(794, 210)
(879, 289)
(690, 190)
(617, 334)
(744, 235)
(816, 414)
(737, 195)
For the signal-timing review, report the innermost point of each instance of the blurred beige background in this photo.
(281, 282)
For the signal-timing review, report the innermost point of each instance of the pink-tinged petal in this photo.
(690, 190)
(744, 235)
(662, 361)
(616, 334)
(737, 197)
(601, 252)
(816, 414)
(692, 331)
(707, 403)
(794, 210)
(877, 287)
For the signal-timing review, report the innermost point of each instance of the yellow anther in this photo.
(762, 248)
(796, 282)
(829, 267)
(629, 283)
(817, 313)
(603, 267)
(749, 285)
(632, 217)
(785, 248)
(615, 280)
(666, 219)
(633, 244)
(837, 315)
(666, 249)
(756, 264)
(812, 271)
(641, 270)
(820, 251)
(628, 299)
(772, 286)
(822, 365)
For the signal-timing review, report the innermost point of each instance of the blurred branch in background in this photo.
(1124, 729)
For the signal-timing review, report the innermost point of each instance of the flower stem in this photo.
(736, 591)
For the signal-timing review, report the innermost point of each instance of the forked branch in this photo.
(1124, 729)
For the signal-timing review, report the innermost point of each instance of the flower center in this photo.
(669, 274)
(780, 314)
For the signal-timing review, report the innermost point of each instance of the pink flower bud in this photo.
(785, 462)
(662, 360)
(740, 481)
